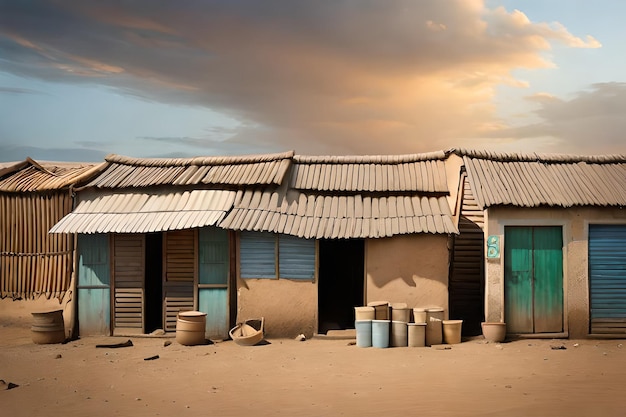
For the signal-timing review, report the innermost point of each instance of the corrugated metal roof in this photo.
(124, 172)
(319, 197)
(141, 212)
(30, 176)
(533, 180)
(383, 173)
(310, 215)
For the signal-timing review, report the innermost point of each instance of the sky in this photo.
(156, 78)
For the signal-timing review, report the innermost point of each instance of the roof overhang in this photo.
(145, 212)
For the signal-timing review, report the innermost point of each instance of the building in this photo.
(33, 197)
(298, 240)
(554, 232)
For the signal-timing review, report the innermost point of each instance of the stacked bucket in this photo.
(383, 325)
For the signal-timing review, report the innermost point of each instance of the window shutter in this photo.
(296, 257)
(258, 255)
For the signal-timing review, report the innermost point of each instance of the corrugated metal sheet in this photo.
(124, 172)
(383, 173)
(319, 216)
(296, 257)
(143, 212)
(257, 255)
(546, 180)
(607, 282)
(30, 176)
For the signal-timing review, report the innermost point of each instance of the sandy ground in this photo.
(310, 378)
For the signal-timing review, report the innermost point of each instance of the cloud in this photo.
(17, 90)
(320, 77)
(592, 119)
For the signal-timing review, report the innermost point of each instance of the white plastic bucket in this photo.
(380, 333)
(363, 333)
(452, 331)
(416, 334)
(364, 313)
(399, 334)
(419, 315)
(434, 330)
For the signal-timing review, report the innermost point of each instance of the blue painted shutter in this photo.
(258, 255)
(94, 285)
(213, 271)
(607, 278)
(296, 257)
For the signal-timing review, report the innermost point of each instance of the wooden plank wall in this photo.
(180, 274)
(32, 261)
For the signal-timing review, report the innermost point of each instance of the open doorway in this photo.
(154, 282)
(341, 276)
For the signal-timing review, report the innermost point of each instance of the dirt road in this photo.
(310, 378)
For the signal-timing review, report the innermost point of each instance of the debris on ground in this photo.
(442, 347)
(117, 345)
(167, 343)
(7, 385)
(559, 347)
(151, 358)
(300, 338)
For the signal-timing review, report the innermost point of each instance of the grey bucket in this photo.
(363, 333)
(434, 328)
(416, 334)
(380, 333)
(399, 333)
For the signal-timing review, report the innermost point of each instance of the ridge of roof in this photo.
(369, 159)
(199, 160)
(537, 157)
(30, 175)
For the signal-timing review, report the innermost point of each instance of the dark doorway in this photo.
(154, 282)
(341, 282)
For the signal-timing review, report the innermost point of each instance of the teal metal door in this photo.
(213, 280)
(94, 288)
(533, 278)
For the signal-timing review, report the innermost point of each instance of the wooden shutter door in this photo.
(179, 277)
(128, 275)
